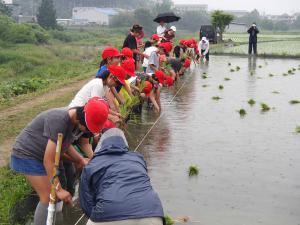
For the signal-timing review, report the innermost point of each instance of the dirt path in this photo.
(40, 99)
(5, 145)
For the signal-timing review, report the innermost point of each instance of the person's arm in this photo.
(76, 157)
(249, 30)
(49, 159)
(117, 95)
(86, 147)
(127, 88)
(207, 49)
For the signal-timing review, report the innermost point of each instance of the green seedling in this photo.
(232, 70)
(251, 73)
(292, 102)
(226, 79)
(193, 170)
(204, 76)
(204, 73)
(169, 220)
(264, 107)
(290, 71)
(221, 87)
(297, 129)
(217, 98)
(205, 85)
(237, 68)
(251, 102)
(275, 92)
(229, 64)
(271, 75)
(260, 66)
(242, 112)
(294, 69)
(284, 74)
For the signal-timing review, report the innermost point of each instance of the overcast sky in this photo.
(267, 6)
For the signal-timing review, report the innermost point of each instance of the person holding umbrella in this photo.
(169, 34)
(253, 31)
(163, 18)
(161, 28)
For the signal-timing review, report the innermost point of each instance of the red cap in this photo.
(127, 52)
(187, 63)
(118, 72)
(155, 37)
(108, 124)
(129, 66)
(96, 113)
(160, 76)
(147, 87)
(110, 52)
(167, 46)
(182, 42)
(169, 81)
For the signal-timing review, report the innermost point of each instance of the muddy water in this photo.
(249, 167)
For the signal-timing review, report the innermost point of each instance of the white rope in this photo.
(147, 132)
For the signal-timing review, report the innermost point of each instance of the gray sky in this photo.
(267, 6)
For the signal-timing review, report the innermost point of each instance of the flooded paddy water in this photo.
(249, 167)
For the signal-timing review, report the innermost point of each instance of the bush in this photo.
(60, 35)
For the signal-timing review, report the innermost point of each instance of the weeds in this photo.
(216, 98)
(292, 102)
(242, 112)
(264, 107)
(251, 102)
(193, 170)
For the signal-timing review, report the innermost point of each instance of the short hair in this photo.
(136, 28)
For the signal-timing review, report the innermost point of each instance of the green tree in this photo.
(46, 16)
(220, 20)
(4, 9)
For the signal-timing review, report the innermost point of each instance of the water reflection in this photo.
(252, 63)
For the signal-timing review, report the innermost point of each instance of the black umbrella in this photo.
(168, 17)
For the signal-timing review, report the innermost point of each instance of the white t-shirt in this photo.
(160, 30)
(148, 52)
(93, 88)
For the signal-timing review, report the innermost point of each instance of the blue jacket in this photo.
(115, 185)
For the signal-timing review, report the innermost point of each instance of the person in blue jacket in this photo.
(253, 31)
(115, 188)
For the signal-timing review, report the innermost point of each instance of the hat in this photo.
(118, 72)
(108, 124)
(173, 28)
(147, 87)
(110, 52)
(160, 76)
(182, 42)
(167, 46)
(127, 52)
(169, 81)
(155, 37)
(129, 66)
(112, 132)
(187, 63)
(96, 114)
(136, 28)
(203, 39)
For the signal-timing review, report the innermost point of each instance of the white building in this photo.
(237, 13)
(92, 15)
(236, 28)
(7, 2)
(190, 7)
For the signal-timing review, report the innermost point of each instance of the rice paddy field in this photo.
(277, 45)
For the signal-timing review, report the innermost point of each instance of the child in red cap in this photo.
(148, 94)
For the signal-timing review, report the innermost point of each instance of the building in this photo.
(236, 28)
(7, 2)
(92, 15)
(64, 22)
(190, 7)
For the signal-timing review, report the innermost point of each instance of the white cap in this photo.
(173, 28)
(203, 39)
(254, 25)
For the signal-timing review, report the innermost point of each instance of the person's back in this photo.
(115, 185)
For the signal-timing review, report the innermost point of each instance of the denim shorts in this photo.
(31, 167)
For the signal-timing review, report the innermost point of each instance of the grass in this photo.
(242, 112)
(292, 102)
(13, 188)
(216, 98)
(264, 107)
(221, 87)
(251, 102)
(193, 170)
